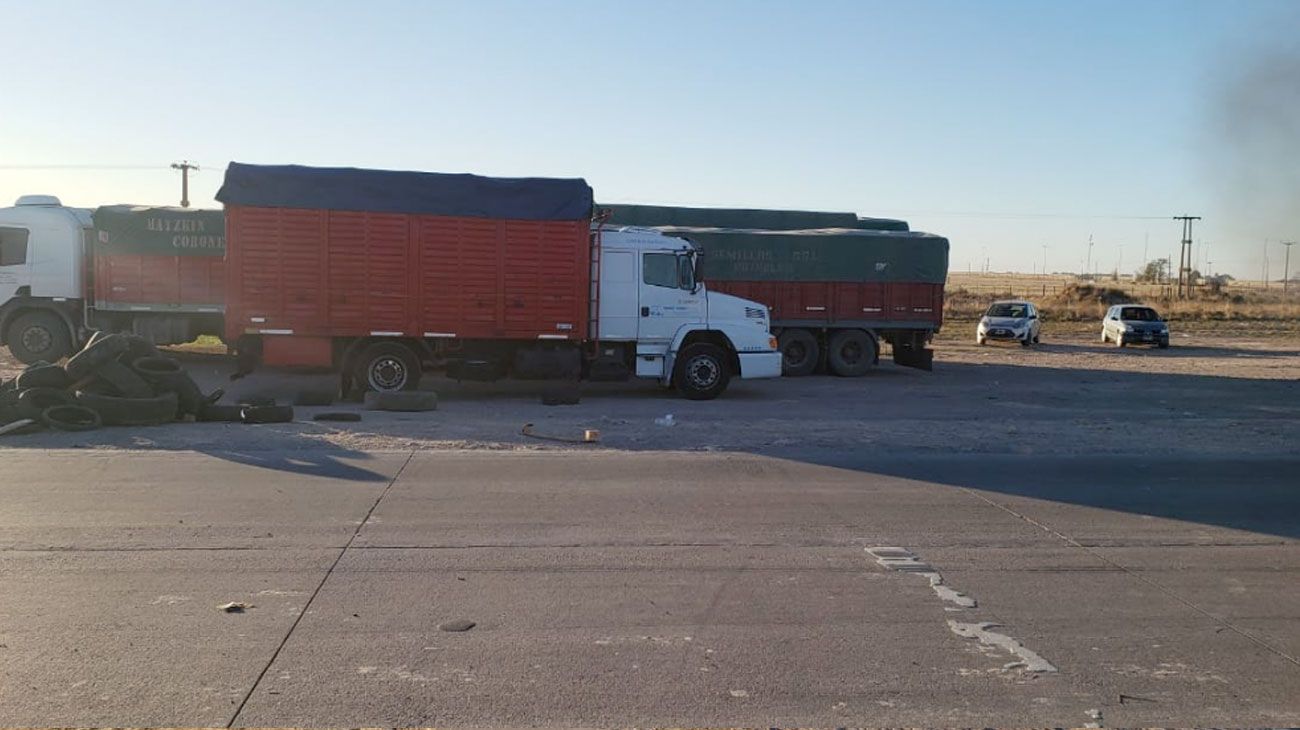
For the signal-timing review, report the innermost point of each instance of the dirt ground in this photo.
(1211, 392)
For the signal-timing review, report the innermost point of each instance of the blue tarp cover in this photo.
(420, 193)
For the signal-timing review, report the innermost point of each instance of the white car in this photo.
(1131, 324)
(1009, 321)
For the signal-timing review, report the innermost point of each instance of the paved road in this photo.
(618, 588)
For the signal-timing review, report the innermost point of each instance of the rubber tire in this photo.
(71, 418)
(154, 366)
(124, 380)
(43, 375)
(188, 396)
(402, 401)
(12, 428)
(266, 414)
(60, 339)
(33, 401)
(138, 347)
(1105, 338)
(395, 352)
(106, 349)
(797, 338)
(980, 341)
(1163, 344)
(1119, 341)
(698, 354)
(115, 411)
(212, 413)
(1026, 342)
(843, 367)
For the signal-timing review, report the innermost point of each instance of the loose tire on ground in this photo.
(387, 366)
(799, 352)
(124, 380)
(210, 412)
(702, 371)
(105, 349)
(43, 375)
(117, 411)
(852, 353)
(188, 396)
(70, 418)
(33, 401)
(266, 414)
(39, 335)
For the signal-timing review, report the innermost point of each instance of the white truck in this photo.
(66, 272)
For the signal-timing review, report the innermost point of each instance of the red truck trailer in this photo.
(378, 273)
(838, 285)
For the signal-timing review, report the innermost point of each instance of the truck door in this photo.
(13, 261)
(668, 299)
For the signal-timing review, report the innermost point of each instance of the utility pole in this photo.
(185, 166)
(1185, 256)
(1119, 266)
(1286, 268)
(1044, 259)
(1266, 263)
(1087, 263)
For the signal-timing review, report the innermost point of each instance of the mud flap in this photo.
(921, 358)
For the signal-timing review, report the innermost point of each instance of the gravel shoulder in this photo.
(1208, 394)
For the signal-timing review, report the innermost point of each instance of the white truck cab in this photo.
(650, 298)
(42, 244)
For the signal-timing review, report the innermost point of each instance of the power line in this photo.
(83, 167)
(985, 214)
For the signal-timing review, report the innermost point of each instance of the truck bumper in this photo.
(760, 365)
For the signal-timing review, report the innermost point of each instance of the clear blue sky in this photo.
(1003, 125)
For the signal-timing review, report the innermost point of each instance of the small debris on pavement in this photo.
(235, 607)
(665, 420)
(459, 625)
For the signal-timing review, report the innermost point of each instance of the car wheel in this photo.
(980, 341)
(1105, 338)
(1119, 341)
(1163, 344)
(1027, 341)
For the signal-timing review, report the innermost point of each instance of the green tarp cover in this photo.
(159, 231)
(833, 254)
(651, 216)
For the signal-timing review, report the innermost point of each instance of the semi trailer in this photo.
(838, 286)
(380, 274)
(66, 272)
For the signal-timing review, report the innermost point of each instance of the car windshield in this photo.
(1008, 309)
(1138, 314)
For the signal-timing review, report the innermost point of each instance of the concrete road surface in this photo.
(615, 588)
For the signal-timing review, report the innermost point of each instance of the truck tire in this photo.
(153, 366)
(266, 414)
(124, 380)
(852, 353)
(115, 411)
(138, 347)
(105, 349)
(211, 412)
(70, 418)
(702, 371)
(167, 376)
(33, 401)
(43, 375)
(799, 352)
(387, 366)
(39, 335)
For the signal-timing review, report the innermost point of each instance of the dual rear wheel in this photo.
(849, 353)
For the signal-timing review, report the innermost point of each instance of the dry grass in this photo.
(1064, 298)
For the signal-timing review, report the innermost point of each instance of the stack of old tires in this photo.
(116, 380)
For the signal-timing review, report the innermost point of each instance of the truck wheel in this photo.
(852, 353)
(38, 335)
(799, 353)
(388, 366)
(702, 372)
